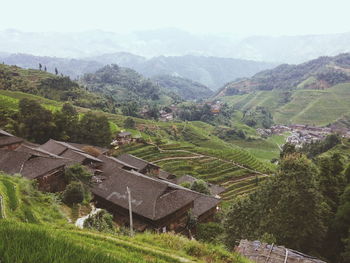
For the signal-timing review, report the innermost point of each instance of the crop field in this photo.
(306, 106)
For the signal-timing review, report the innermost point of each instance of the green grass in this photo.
(24, 203)
(34, 231)
(30, 243)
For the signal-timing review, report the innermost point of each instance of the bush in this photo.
(73, 194)
(101, 221)
(129, 123)
(77, 172)
(200, 186)
(209, 232)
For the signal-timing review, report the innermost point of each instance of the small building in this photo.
(9, 141)
(142, 166)
(123, 138)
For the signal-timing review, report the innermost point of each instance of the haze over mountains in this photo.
(213, 72)
(174, 42)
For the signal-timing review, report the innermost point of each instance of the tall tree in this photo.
(67, 121)
(94, 129)
(35, 122)
(288, 207)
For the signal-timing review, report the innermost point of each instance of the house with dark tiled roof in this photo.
(47, 170)
(143, 166)
(9, 141)
(70, 151)
(156, 204)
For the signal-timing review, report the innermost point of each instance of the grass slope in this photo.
(47, 237)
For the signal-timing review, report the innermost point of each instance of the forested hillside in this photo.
(124, 85)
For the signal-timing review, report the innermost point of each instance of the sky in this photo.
(231, 17)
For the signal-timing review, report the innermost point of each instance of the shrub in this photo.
(209, 232)
(73, 194)
(77, 172)
(129, 123)
(100, 221)
(200, 186)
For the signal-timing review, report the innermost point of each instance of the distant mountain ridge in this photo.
(210, 71)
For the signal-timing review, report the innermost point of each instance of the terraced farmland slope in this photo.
(316, 92)
(47, 236)
(235, 169)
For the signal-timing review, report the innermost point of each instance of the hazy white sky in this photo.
(237, 17)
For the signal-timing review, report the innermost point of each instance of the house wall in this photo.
(53, 182)
(11, 146)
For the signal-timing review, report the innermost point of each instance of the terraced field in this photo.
(305, 106)
(236, 170)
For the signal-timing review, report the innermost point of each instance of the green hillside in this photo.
(123, 85)
(316, 92)
(49, 86)
(28, 216)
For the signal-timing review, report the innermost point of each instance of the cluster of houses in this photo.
(158, 200)
(302, 134)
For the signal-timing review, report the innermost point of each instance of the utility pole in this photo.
(130, 211)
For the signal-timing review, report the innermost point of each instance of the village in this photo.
(300, 134)
(158, 200)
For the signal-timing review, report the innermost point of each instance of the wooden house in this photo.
(156, 204)
(9, 141)
(142, 166)
(48, 171)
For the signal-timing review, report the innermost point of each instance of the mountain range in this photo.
(213, 72)
(174, 42)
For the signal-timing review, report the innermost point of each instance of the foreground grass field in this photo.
(32, 230)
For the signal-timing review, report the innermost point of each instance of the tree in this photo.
(287, 148)
(101, 221)
(200, 186)
(288, 207)
(34, 122)
(67, 121)
(129, 123)
(73, 194)
(94, 129)
(331, 179)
